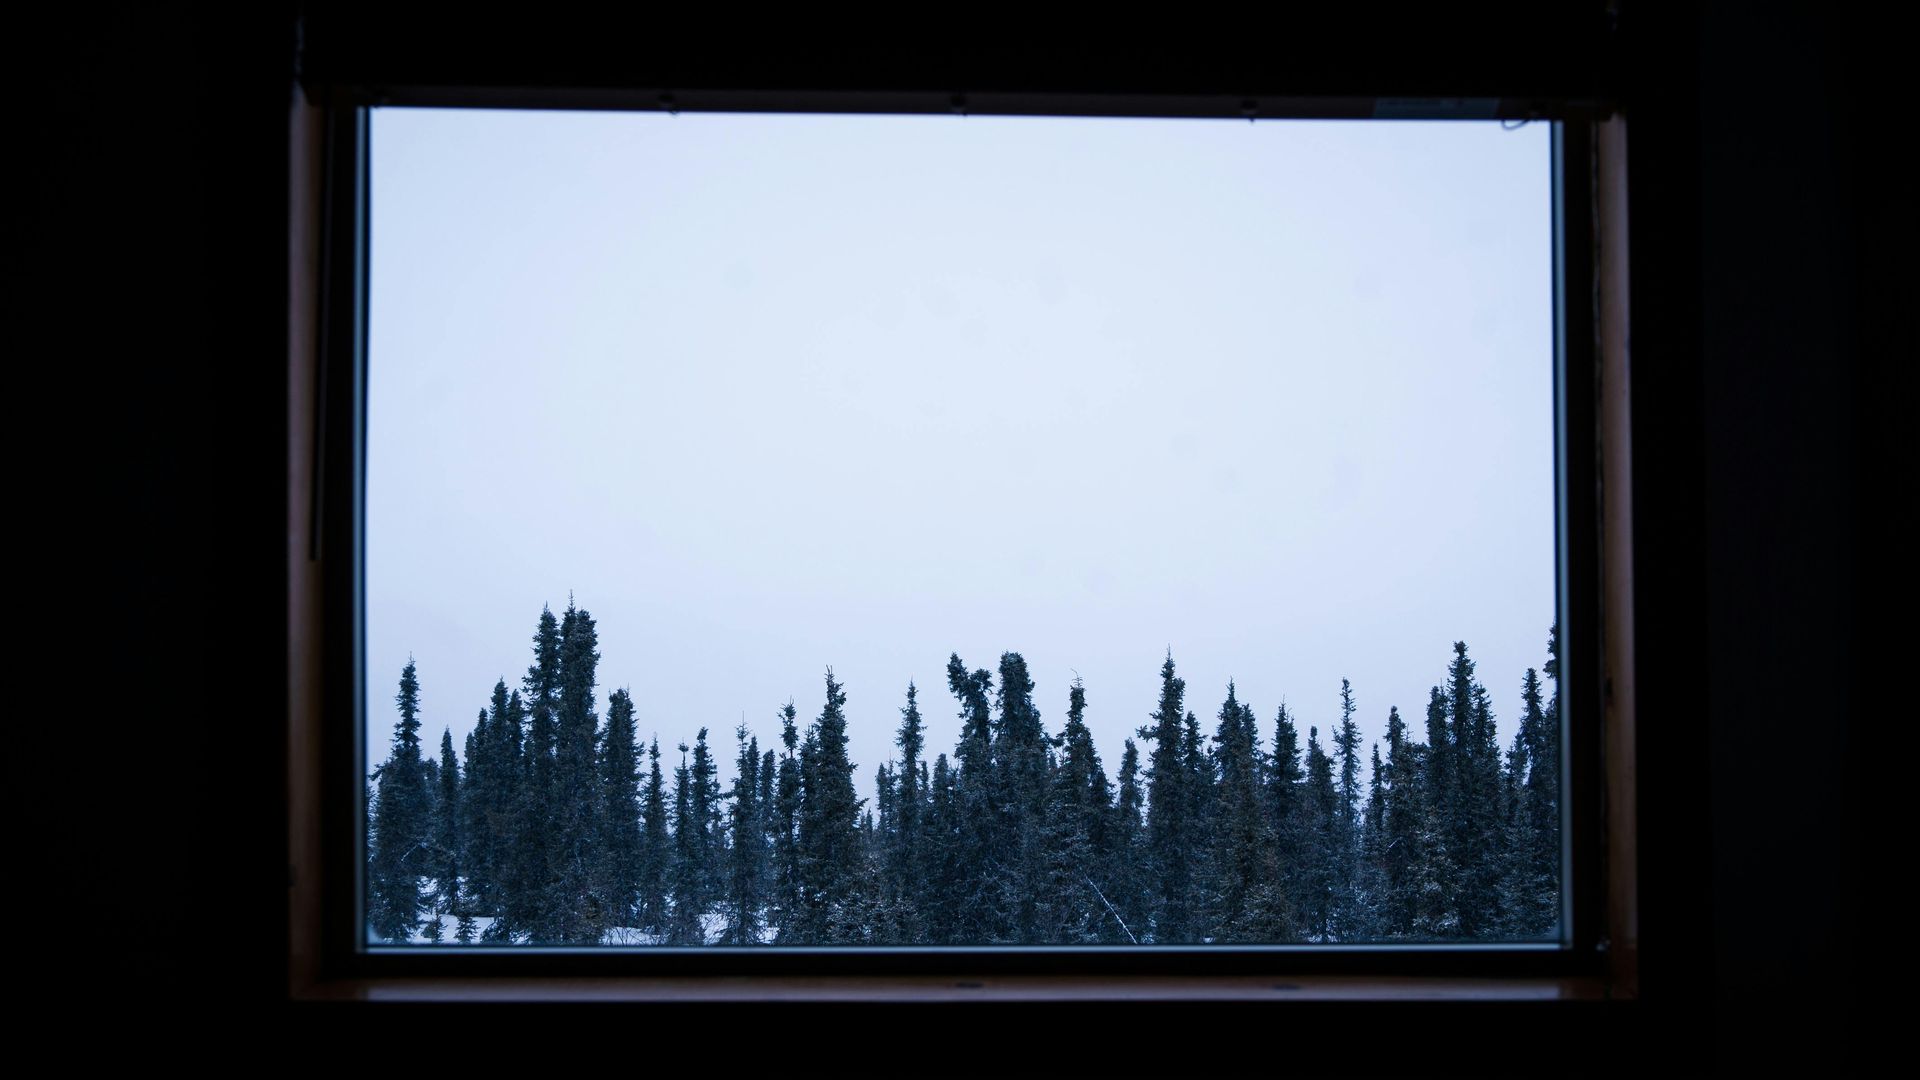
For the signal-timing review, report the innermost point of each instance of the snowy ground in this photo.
(449, 926)
(713, 926)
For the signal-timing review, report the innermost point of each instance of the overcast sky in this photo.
(771, 393)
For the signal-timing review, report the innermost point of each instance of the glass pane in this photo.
(864, 530)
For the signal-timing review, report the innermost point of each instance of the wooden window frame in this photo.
(328, 231)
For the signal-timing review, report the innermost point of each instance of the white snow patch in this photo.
(449, 927)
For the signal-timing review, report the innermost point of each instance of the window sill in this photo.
(935, 989)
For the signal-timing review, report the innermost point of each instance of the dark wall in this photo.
(150, 457)
(1800, 208)
(1760, 196)
(148, 371)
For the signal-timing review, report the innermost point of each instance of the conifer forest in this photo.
(555, 825)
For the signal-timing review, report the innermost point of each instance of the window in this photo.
(350, 205)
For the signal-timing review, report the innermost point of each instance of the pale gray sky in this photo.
(773, 393)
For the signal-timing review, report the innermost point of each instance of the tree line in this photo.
(555, 826)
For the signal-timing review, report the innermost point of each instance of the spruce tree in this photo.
(1019, 798)
(747, 854)
(906, 863)
(533, 906)
(940, 854)
(885, 930)
(618, 854)
(1533, 888)
(1171, 804)
(656, 849)
(1370, 884)
(398, 852)
(1438, 871)
(709, 841)
(786, 835)
(1400, 823)
(1200, 796)
(1543, 787)
(977, 917)
(1543, 799)
(829, 823)
(1130, 874)
(447, 838)
(577, 913)
(431, 886)
(505, 800)
(473, 818)
(1476, 833)
(1319, 901)
(1073, 908)
(686, 875)
(1347, 917)
(1288, 821)
(1241, 887)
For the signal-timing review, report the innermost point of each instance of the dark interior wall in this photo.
(150, 449)
(148, 359)
(1760, 203)
(1799, 210)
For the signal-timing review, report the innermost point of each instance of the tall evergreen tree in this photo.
(1531, 896)
(940, 847)
(472, 815)
(447, 839)
(1320, 849)
(398, 854)
(906, 862)
(786, 830)
(1019, 801)
(1288, 817)
(829, 823)
(1073, 907)
(577, 916)
(1171, 804)
(1370, 885)
(1543, 797)
(503, 796)
(656, 849)
(1401, 824)
(747, 855)
(1347, 744)
(976, 907)
(1237, 850)
(534, 902)
(618, 855)
(709, 840)
(1438, 869)
(430, 886)
(1199, 791)
(1348, 917)
(1477, 836)
(1130, 876)
(687, 874)
(1241, 877)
